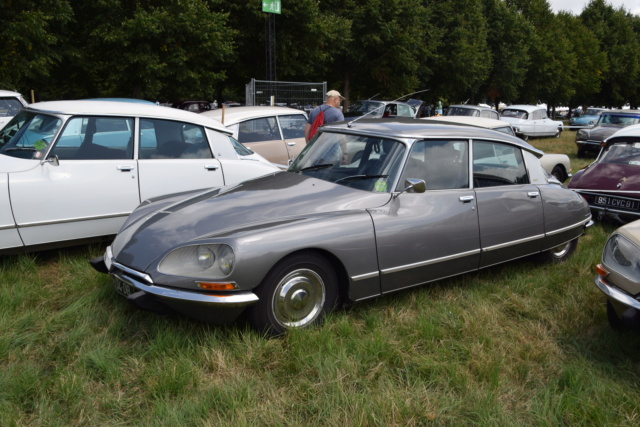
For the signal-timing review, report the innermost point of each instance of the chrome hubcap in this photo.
(560, 251)
(298, 298)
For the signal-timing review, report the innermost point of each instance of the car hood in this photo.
(269, 201)
(608, 177)
(601, 133)
(14, 164)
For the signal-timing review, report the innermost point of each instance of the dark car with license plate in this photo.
(611, 184)
(369, 207)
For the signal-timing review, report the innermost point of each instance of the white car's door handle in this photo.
(211, 167)
(466, 199)
(291, 144)
(126, 168)
(533, 194)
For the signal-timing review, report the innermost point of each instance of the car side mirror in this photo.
(53, 160)
(418, 186)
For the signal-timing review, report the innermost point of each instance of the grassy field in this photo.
(517, 344)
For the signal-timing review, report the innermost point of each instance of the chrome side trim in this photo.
(430, 261)
(7, 227)
(513, 242)
(231, 300)
(615, 294)
(428, 281)
(583, 223)
(66, 221)
(365, 276)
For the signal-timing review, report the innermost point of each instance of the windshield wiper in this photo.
(316, 167)
(357, 177)
(20, 149)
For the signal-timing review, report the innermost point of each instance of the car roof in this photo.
(527, 108)
(10, 93)
(238, 114)
(406, 127)
(468, 120)
(622, 112)
(118, 108)
(383, 101)
(471, 107)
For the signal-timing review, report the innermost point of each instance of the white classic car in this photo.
(74, 170)
(276, 133)
(557, 165)
(531, 121)
(10, 103)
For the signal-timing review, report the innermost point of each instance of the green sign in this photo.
(272, 6)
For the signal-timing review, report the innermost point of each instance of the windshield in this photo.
(9, 107)
(363, 162)
(462, 111)
(622, 153)
(618, 119)
(592, 112)
(376, 108)
(28, 134)
(516, 114)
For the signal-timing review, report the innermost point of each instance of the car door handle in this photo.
(211, 167)
(533, 194)
(125, 168)
(291, 144)
(466, 199)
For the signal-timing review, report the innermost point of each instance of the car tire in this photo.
(560, 253)
(559, 173)
(557, 135)
(581, 152)
(297, 293)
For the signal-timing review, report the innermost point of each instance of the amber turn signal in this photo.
(601, 271)
(217, 286)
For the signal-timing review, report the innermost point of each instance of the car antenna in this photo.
(373, 96)
(376, 109)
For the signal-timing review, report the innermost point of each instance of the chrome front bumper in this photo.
(616, 295)
(143, 282)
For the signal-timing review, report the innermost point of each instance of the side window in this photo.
(496, 164)
(165, 139)
(263, 129)
(441, 164)
(404, 111)
(292, 126)
(95, 138)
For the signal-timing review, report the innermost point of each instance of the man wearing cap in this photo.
(331, 109)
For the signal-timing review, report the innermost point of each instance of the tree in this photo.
(30, 34)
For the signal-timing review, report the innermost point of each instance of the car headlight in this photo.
(203, 261)
(622, 256)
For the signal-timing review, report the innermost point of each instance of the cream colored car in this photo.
(276, 133)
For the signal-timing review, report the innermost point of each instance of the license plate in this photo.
(614, 202)
(123, 288)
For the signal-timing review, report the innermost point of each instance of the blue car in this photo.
(588, 119)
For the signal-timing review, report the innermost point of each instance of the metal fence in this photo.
(304, 96)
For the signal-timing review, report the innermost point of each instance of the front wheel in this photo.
(559, 173)
(296, 293)
(560, 253)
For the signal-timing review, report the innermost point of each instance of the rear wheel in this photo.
(297, 293)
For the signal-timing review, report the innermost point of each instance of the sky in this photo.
(576, 6)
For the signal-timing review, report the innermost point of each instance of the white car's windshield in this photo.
(364, 107)
(362, 162)
(9, 107)
(516, 114)
(462, 111)
(28, 134)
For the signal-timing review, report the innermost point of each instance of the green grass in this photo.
(516, 344)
